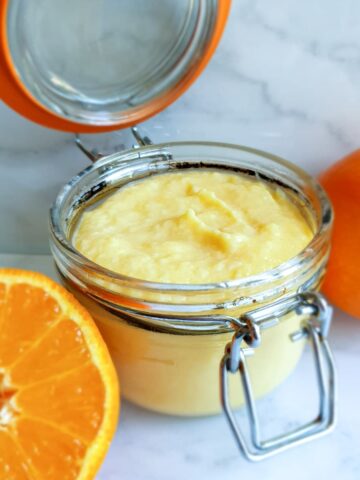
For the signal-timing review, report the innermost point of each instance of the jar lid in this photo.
(92, 66)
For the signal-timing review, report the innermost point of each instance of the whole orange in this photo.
(342, 281)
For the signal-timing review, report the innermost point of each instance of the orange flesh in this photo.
(58, 387)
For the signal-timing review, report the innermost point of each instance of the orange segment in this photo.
(2, 301)
(13, 465)
(25, 302)
(61, 348)
(74, 402)
(42, 444)
(59, 395)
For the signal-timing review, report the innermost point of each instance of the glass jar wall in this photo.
(167, 340)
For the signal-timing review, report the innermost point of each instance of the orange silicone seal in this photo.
(14, 93)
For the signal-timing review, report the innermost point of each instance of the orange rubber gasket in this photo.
(14, 93)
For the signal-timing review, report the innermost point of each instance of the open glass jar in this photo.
(168, 341)
(93, 66)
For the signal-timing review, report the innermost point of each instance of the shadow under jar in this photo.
(168, 341)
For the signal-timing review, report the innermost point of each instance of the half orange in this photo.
(59, 394)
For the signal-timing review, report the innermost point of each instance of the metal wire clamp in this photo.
(248, 331)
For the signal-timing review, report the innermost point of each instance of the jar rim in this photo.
(284, 270)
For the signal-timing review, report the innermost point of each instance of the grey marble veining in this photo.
(285, 78)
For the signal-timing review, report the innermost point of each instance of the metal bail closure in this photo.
(248, 330)
(94, 155)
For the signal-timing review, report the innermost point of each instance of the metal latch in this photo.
(248, 330)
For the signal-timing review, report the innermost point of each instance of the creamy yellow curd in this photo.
(193, 227)
(178, 374)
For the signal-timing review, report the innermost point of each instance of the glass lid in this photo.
(110, 63)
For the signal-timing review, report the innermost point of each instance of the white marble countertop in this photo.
(149, 446)
(285, 78)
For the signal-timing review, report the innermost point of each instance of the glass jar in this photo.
(110, 65)
(168, 341)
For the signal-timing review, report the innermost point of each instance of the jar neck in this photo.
(170, 301)
(177, 309)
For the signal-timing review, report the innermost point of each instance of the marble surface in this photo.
(285, 78)
(148, 446)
